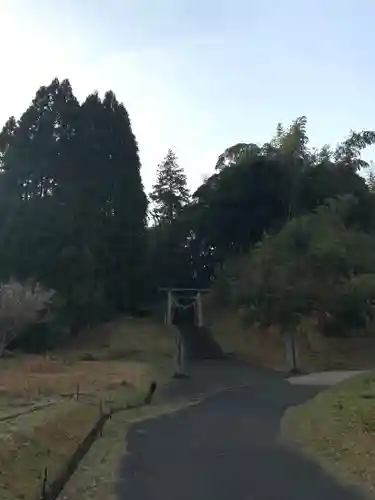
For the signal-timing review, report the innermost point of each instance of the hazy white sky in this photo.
(198, 75)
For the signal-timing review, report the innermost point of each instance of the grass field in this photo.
(49, 404)
(337, 427)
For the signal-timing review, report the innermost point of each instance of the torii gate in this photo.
(181, 370)
(197, 303)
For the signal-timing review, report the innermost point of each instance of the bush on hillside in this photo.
(316, 266)
(354, 307)
(21, 306)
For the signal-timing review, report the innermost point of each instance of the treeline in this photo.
(284, 233)
(256, 190)
(74, 215)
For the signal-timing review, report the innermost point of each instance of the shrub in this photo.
(20, 307)
(315, 266)
(354, 306)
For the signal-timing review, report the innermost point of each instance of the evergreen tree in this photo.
(36, 151)
(170, 192)
(118, 207)
(72, 205)
(169, 253)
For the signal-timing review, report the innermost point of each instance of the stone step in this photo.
(199, 342)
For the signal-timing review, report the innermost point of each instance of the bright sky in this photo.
(198, 75)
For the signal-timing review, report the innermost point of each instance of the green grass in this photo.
(337, 427)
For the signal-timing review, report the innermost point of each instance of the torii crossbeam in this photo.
(197, 302)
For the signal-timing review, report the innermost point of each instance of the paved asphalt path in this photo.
(226, 447)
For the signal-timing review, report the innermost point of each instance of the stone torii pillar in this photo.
(169, 308)
(199, 309)
(180, 354)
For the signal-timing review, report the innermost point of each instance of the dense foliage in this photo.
(319, 265)
(257, 189)
(312, 254)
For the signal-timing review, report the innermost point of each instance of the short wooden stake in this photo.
(101, 413)
(44, 485)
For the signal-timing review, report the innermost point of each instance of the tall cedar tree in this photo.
(170, 192)
(72, 206)
(169, 255)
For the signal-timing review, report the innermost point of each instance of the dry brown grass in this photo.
(315, 351)
(127, 352)
(26, 451)
(129, 338)
(338, 428)
(126, 356)
(261, 347)
(32, 377)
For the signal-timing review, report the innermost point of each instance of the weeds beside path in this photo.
(337, 427)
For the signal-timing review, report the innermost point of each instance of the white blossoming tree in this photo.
(20, 306)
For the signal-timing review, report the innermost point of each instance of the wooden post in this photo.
(44, 485)
(199, 309)
(291, 351)
(180, 359)
(101, 412)
(178, 354)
